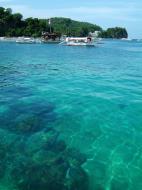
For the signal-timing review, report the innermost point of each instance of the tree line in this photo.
(13, 25)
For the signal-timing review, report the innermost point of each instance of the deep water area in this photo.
(71, 117)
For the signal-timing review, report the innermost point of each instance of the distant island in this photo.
(13, 25)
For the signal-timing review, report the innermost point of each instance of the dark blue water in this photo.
(72, 116)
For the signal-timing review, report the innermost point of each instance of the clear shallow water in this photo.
(67, 108)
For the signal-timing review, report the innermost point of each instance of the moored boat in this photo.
(50, 38)
(78, 41)
(27, 40)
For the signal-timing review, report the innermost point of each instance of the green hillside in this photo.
(70, 27)
(13, 25)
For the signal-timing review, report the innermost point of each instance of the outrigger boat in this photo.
(78, 41)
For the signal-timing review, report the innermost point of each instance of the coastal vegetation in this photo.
(116, 32)
(70, 27)
(13, 25)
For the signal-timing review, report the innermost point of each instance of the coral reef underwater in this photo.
(32, 154)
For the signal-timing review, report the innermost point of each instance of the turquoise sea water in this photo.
(71, 117)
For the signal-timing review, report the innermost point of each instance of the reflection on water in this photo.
(71, 116)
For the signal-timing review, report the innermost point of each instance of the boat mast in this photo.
(49, 22)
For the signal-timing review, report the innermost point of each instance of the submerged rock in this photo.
(28, 125)
(50, 168)
(31, 176)
(28, 118)
(41, 160)
(75, 157)
(6, 141)
(41, 140)
(2, 169)
(3, 152)
(77, 179)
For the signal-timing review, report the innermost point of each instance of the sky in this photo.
(105, 13)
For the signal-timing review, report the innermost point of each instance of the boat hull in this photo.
(84, 45)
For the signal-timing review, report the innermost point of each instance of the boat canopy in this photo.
(78, 39)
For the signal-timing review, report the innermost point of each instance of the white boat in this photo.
(8, 39)
(27, 40)
(126, 39)
(78, 41)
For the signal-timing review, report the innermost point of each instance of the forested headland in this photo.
(14, 25)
